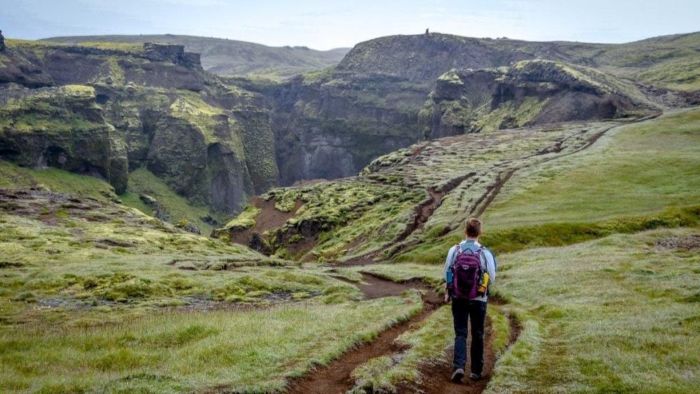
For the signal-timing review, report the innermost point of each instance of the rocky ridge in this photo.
(105, 112)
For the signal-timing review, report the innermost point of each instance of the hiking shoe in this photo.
(457, 375)
(474, 376)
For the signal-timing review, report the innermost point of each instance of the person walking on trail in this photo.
(470, 269)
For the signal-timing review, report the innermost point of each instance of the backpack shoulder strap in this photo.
(458, 250)
(482, 257)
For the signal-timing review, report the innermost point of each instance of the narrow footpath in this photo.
(335, 377)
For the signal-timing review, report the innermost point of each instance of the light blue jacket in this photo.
(488, 263)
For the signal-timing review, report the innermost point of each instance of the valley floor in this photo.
(597, 291)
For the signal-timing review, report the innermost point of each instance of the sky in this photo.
(330, 24)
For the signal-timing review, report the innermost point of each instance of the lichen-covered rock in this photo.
(330, 126)
(527, 93)
(63, 128)
(154, 107)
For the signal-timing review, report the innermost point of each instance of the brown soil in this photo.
(375, 287)
(485, 200)
(268, 218)
(436, 376)
(424, 211)
(335, 377)
(686, 243)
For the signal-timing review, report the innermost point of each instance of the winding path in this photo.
(336, 377)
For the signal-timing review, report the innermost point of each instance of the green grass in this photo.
(350, 216)
(640, 176)
(618, 314)
(677, 75)
(615, 315)
(109, 256)
(640, 169)
(554, 234)
(244, 220)
(13, 176)
(87, 298)
(426, 344)
(142, 181)
(245, 351)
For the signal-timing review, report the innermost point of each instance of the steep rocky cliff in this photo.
(231, 57)
(113, 109)
(104, 112)
(529, 92)
(332, 125)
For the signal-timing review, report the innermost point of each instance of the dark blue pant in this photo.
(475, 312)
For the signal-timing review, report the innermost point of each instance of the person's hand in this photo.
(447, 297)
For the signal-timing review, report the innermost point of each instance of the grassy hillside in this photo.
(95, 295)
(230, 57)
(615, 315)
(596, 226)
(619, 314)
(637, 169)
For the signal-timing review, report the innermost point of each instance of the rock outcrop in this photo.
(63, 128)
(528, 93)
(333, 126)
(104, 112)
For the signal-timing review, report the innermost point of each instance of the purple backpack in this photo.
(466, 274)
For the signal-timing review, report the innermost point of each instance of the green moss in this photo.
(83, 91)
(377, 213)
(15, 177)
(244, 220)
(142, 181)
(190, 106)
(115, 46)
(116, 72)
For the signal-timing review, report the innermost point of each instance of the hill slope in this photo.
(666, 61)
(230, 57)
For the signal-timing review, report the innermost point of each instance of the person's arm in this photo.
(490, 266)
(447, 273)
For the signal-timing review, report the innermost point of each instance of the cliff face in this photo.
(114, 108)
(332, 126)
(529, 93)
(104, 112)
(62, 127)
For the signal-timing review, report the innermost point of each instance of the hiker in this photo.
(469, 270)
(2, 42)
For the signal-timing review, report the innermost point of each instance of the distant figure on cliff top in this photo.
(427, 31)
(2, 42)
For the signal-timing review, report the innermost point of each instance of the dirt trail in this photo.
(335, 377)
(437, 376)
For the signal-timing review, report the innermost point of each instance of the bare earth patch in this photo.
(686, 243)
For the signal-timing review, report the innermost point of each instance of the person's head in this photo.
(473, 229)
